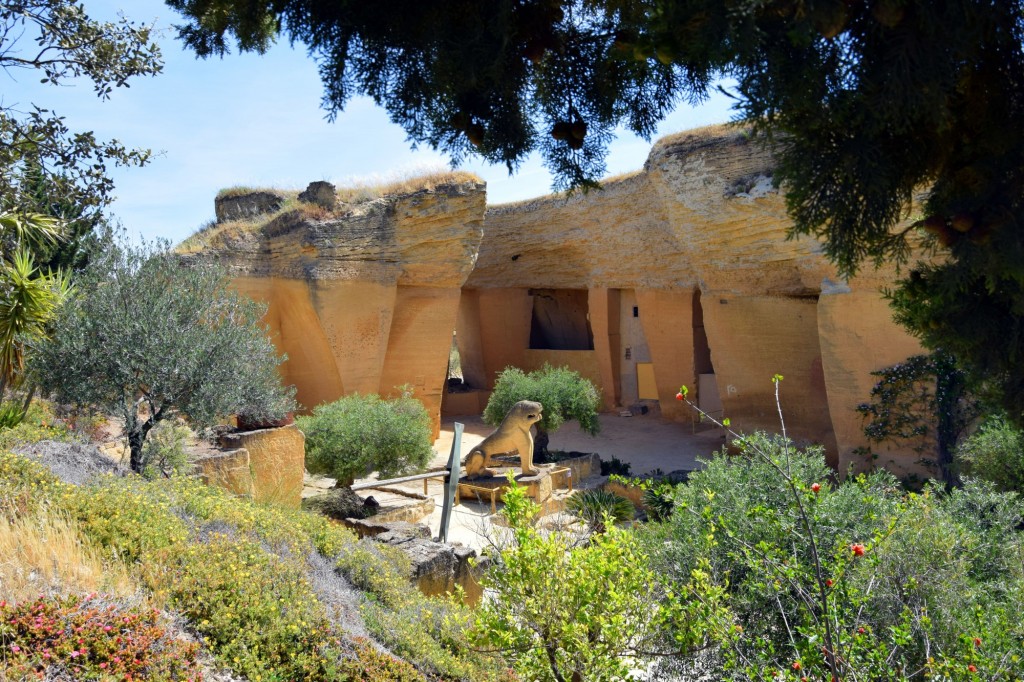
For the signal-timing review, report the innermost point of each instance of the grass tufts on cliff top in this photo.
(249, 580)
(356, 193)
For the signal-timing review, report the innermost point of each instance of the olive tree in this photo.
(564, 394)
(147, 336)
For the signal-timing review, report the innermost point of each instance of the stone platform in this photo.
(539, 486)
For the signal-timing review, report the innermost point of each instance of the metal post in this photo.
(452, 484)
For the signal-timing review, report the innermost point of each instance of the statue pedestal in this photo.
(538, 486)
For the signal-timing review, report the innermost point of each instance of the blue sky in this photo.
(256, 120)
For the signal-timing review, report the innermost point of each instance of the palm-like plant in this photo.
(28, 298)
(597, 507)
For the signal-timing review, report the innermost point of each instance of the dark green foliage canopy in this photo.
(866, 105)
(147, 337)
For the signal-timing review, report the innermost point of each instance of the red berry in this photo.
(860, 631)
(816, 487)
(857, 549)
(972, 668)
(828, 582)
(977, 641)
(679, 396)
(796, 665)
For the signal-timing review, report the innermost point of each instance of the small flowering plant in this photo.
(91, 639)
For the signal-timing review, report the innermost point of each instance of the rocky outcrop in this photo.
(680, 273)
(436, 568)
(320, 193)
(363, 299)
(246, 205)
(686, 272)
(266, 465)
(227, 469)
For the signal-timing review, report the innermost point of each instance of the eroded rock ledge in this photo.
(680, 273)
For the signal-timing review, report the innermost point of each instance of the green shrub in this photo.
(595, 612)
(595, 506)
(164, 452)
(995, 453)
(564, 394)
(10, 414)
(659, 500)
(358, 434)
(26, 487)
(891, 581)
(39, 423)
(369, 665)
(615, 467)
(85, 639)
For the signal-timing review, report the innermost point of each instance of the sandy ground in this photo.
(645, 442)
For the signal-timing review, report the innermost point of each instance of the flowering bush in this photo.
(253, 609)
(90, 640)
(845, 581)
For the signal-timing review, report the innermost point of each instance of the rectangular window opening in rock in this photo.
(560, 320)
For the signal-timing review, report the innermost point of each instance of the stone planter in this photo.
(266, 465)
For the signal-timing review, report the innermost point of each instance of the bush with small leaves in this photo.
(563, 612)
(358, 434)
(564, 394)
(995, 453)
(848, 578)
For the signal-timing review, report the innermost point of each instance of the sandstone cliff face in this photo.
(365, 298)
(680, 273)
(696, 243)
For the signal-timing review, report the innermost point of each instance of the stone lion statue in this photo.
(513, 434)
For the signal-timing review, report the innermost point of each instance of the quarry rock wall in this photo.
(680, 273)
(365, 298)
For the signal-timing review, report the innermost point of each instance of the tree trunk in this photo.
(540, 446)
(135, 441)
(28, 401)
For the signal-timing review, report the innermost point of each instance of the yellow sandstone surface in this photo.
(677, 274)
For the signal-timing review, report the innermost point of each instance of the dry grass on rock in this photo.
(44, 553)
(293, 209)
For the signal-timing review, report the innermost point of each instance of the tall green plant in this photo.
(851, 581)
(597, 612)
(149, 337)
(564, 394)
(28, 298)
(995, 453)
